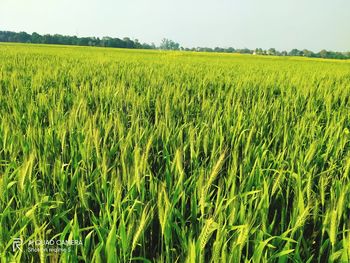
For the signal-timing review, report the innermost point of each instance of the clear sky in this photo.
(282, 24)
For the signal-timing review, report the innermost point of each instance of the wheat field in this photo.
(149, 156)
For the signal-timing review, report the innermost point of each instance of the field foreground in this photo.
(148, 156)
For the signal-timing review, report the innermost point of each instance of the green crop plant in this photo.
(154, 156)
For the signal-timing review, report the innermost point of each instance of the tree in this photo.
(271, 52)
(323, 53)
(308, 53)
(128, 42)
(259, 51)
(146, 46)
(23, 37)
(219, 49)
(168, 44)
(137, 44)
(245, 51)
(295, 52)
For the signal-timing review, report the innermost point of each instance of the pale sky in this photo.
(282, 24)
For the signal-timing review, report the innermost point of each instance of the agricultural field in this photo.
(149, 156)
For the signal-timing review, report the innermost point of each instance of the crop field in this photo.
(148, 156)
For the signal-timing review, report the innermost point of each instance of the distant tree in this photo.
(339, 55)
(278, 53)
(23, 37)
(295, 52)
(128, 42)
(137, 44)
(323, 53)
(259, 51)
(146, 46)
(36, 38)
(308, 53)
(271, 52)
(205, 49)
(168, 44)
(83, 41)
(219, 49)
(245, 51)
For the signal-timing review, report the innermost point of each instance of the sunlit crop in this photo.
(148, 156)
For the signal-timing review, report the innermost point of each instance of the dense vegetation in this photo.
(174, 156)
(167, 44)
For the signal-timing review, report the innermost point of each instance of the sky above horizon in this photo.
(281, 24)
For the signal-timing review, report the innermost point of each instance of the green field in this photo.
(148, 156)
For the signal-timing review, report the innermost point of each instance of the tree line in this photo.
(166, 44)
(23, 37)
